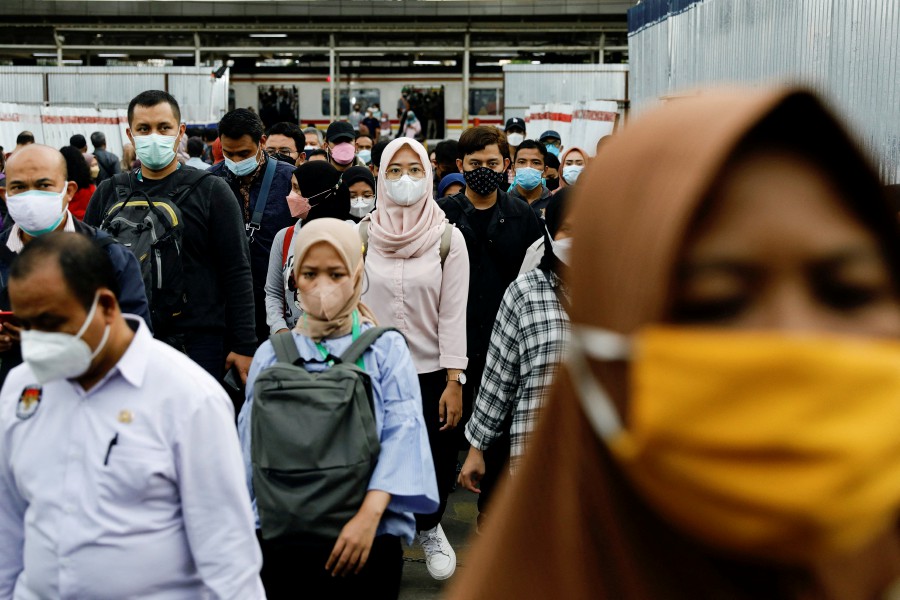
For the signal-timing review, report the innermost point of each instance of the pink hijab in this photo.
(404, 231)
(562, 163)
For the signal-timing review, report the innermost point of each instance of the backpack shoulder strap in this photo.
(286, 246)
(285, 348)
(362, 343)
(122, 182)
(445, 242)
(191, 180)
(260, 208)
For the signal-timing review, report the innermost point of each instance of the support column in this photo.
(331, 76)
(465, 82)
(197, 50)
(602, 56)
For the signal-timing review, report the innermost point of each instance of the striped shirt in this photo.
(527, 344)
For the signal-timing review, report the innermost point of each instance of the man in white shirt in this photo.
(120, 468)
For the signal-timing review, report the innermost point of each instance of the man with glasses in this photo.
(285, 142)
(262, 192)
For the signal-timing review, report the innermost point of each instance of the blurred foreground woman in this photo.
(727, 423)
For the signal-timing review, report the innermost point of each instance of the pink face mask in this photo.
(343, 153)
(327, 298)
(298, 204)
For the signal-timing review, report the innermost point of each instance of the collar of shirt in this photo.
(133, 364)
(15, 243)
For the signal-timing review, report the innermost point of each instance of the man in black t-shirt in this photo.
(216, 325)
(498, 230)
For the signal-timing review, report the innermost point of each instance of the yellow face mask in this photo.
(775, 446)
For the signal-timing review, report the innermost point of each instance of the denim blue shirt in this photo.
(405, 469)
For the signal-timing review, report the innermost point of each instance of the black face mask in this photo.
(484, 181)
(552, 183)
(283, 158)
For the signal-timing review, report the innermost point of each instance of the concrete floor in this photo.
(459, 525)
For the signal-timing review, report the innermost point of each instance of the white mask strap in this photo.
(603, 345)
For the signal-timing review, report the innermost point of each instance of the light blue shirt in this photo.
(405, 469)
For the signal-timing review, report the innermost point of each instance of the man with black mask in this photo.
(498, 230)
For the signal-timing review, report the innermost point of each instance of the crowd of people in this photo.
(246, 365)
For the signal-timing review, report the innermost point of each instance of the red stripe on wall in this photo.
(68, 120)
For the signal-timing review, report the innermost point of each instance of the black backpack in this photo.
(313, 442)
(153, 230)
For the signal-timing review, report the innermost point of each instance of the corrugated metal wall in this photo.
(202, 99)
(846, 49)
(525, 85)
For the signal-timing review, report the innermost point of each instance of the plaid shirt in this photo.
(527, 344)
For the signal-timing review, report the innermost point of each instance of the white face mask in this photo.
(406, 191)
(360, 206)
(571, 172)
(37, 212)
(514, 139)
(561, 249)
(53, 355)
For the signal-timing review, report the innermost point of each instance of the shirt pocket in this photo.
(136, 474)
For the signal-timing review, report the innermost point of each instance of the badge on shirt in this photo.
(29, 401)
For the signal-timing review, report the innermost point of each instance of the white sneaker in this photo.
(439, 556)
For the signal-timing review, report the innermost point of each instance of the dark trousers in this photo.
(297, 571)
(496, 457)
(208, 351)
(443, 444)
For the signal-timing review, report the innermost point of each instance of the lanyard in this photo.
(355, 332)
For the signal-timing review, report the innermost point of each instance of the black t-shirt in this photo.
(481, 219)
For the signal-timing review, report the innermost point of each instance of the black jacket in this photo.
(493, 262)
(132, 295)
(216, 259)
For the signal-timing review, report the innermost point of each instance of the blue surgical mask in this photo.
(553, 150)
(527, 178)
(571, 172)
(155, 151)
(365, 156)
(243, 168)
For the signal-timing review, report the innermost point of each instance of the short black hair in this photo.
(85, 267)
(445, 153)
(98, 139)
(26, 137)
(315, 152)
(377, 151)
(291, 130)
(241, 122)
(78, 141)
(194, 146)
(77, 169)
(476, 139)
(551, 160)
(533, 145)
(151, 98)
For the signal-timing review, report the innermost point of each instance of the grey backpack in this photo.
(314, 444)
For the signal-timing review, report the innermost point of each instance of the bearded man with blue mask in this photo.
(261, 185)
(39, 194)
(529, 170)
(215, 325)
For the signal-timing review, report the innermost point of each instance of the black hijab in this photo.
(320, 182)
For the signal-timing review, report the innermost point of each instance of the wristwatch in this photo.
(460, 379)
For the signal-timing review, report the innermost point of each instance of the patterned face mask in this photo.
(483, 181)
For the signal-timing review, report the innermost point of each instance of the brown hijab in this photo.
(569, 525)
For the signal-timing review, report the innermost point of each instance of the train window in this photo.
(485, 102)
(347, 98)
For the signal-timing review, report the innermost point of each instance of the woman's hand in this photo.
(351, 551)
(450, 408)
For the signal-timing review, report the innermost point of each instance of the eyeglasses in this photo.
(395, 173)
(285, 151)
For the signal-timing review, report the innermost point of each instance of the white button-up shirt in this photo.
(133, 489)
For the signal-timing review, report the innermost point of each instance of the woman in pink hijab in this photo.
(418, 272)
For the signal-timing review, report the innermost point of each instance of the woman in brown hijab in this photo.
(726, 423)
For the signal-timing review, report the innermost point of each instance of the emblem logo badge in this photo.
(29, 402)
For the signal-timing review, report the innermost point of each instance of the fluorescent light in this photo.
(487, 64)
(44, 55)
(535, 62)
(247, 55)
(112, 55)
(426, 62)
(179, 55)
(268, 35)
(72, 62)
